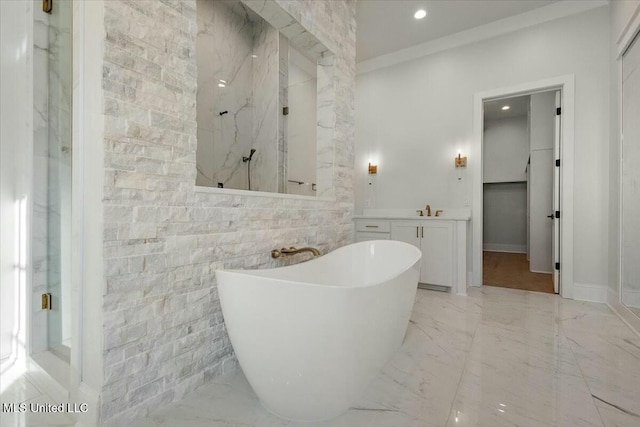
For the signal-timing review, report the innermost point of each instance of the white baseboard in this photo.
(612, 296)
(91, 397)
(623, 312)
(631, 298)
(470, 278)
(626, 315)
(592, 293)
(498, 247)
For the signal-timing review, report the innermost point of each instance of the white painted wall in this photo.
(505, 217)
(413, 117)
(506, 150)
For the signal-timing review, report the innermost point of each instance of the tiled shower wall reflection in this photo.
(236, 98)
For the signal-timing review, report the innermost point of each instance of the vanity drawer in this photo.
(373, 225)
(363, 236)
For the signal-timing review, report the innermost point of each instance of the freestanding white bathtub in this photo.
(311, 336)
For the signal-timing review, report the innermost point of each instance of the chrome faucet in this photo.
(428, 208)
(277, 253)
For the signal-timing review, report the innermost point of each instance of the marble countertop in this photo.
(408, 214)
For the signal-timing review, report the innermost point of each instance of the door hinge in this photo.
(558, 266)
(285, 111)
(558, 162)
(46, 301)
(558, 111)
(557, 214)
(47, 6)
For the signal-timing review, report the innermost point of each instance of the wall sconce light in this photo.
(373, 169)
(460, 162)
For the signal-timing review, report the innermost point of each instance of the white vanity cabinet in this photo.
(372, 229)
(443, 242)
(436, 241)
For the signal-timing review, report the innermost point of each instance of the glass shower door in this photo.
(51, 329)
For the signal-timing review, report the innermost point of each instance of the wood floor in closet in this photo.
(511, 270)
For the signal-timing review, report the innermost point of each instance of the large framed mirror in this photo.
(264, 104)
(630, 186)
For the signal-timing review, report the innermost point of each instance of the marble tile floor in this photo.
(498, 357)
(18, 389)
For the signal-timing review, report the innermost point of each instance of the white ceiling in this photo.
(385, 26)
(518, 106)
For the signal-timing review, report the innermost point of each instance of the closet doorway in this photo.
(521, 192)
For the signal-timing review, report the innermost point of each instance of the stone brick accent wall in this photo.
(164, 334)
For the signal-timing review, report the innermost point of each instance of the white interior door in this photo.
(541, 210)
(542, 144)
(555, 246)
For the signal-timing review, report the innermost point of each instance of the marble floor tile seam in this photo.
(464, 369)
(613, 396)
(614, 417)
(590, 388)
(610, 365)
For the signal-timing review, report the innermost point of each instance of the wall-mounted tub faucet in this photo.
(277, 253)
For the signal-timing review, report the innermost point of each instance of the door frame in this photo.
(566, 85)
(556, 205)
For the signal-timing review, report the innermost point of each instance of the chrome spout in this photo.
(277, 253)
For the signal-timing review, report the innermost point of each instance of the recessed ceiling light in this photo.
(420, 14)
(221, 85)
(505, 108)
(223, 81)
